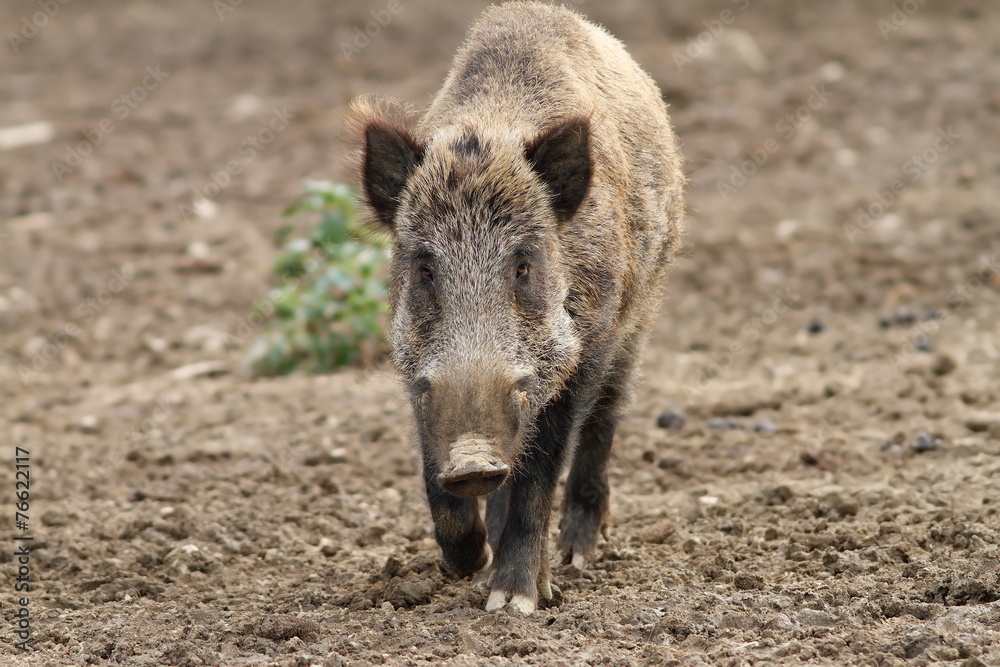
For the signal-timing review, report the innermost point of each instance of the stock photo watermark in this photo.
(121, 108)
(363, 35)
(750, 333)
(86, 312)
(141, 432)
(32, 25)
(223, 7)
(958, 297)
(899, 17)
(247, 151)
(22, 548)
(699, 44)
(911, 171)
(786, 127)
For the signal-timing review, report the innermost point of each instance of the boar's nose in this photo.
(474, 468)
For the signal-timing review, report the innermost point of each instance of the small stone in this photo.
(672, 419)
(764, 427)
(387, 607)
(708, 500)
(809, 458)
(89, 424)
(933, 314)
(771, 533)
(884, 322)
(723, 424)
(905, 317)
(922, 343)
(649, 456)
(327, 547)
(816, 326)
(337, 455)
(890, 447)
(925, 443)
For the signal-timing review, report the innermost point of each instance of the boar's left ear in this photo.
(561, 157)
(389, 154)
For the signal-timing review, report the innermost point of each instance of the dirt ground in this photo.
(830, 498)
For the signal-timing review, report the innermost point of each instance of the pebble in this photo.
(816, 326)
(673, 419)
(925, 443)
(764, 426)
(89, 424)
(884, 322)
(891, 447)
(905, 317)
(923, 343)
(723, 424)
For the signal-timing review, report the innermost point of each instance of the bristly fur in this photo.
(535, 209)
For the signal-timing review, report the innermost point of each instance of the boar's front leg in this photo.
(458, 528)
(521, 567)
(586, 504)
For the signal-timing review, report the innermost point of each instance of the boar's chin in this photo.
(475, 467)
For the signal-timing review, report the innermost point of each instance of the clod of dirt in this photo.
(963, 589)
(407, 584)
(672, 419)
(777, 495)
(744, 409)
(658, 533)
(746, 581)
(282, 627)
(943, 365)
(984, 421)
(189, 558)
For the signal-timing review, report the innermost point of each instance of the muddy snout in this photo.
(474, 468)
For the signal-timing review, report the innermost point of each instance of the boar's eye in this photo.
(522, 270)
(426, 273)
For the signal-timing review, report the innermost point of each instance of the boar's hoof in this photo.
(521, 604)
(472, 472)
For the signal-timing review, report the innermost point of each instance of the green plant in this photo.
(330, 307)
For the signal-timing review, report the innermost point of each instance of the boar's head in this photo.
(478, 284)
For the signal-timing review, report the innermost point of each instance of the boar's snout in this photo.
(475, 468)
(473, 424)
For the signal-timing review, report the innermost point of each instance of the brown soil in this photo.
(200, 518)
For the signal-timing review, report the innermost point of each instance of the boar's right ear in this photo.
(388, 155)
(561, 157)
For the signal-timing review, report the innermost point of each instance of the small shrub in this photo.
(331, 302)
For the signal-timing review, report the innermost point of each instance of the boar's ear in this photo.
(388, 155)
(561, 157)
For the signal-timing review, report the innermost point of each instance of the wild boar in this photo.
(534, 212)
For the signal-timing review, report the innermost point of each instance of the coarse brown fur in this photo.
(535, 209)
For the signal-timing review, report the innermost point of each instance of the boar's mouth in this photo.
(475, 467)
